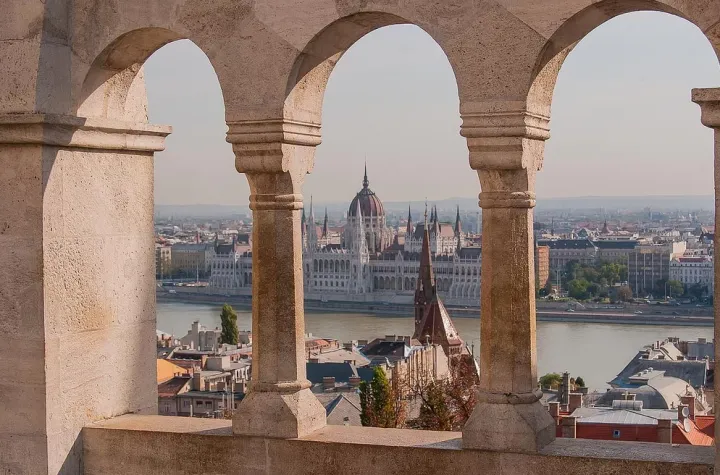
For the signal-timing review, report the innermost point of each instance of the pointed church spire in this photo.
(426, 282)
(458, 223)
(366, 183)
(409, 229)
(325, 225)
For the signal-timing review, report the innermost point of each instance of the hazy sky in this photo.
(622, 120)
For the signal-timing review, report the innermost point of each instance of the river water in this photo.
(597, 352)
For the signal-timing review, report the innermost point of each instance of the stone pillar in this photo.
(506, 149)
(709, 102)
(276, 155)
(77, 290)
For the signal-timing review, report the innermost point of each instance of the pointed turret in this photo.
(311, 228)
(458, 223)
(366, 183)
(409, 228)
(325, 225)
(432, 321)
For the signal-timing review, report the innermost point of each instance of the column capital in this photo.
(275, 154)
(80, 132)
(506, 140)
(709, 101)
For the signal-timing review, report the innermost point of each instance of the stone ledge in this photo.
(159, 444)
(80, 132)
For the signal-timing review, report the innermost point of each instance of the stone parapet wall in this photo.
(154, 445)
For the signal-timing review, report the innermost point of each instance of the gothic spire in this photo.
(366, 183)
(325, 225)
(312, 212)
(409, 229)
(426, 283)
(458, 223)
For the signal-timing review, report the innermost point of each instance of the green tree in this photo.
(579, 382)
(578, 289)
(624, 293)
(675, 288)
(379, 402)
(228, 318)
(697, 290)
(551, 380)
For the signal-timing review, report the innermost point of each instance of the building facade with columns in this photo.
(369, 265)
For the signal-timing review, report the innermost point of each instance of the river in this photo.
(597, 352)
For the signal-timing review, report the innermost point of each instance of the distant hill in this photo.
(632, 203)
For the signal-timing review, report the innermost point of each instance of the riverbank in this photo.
(621, 317)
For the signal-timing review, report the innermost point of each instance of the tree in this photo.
(230, 334)
(579, 382)
(697, 290)
(675, 288)
(550, 380)
(447, 404)
(624, 293)
(578, 289)
(380, 402)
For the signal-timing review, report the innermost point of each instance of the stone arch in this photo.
(392, 283)
(113, 86)
(375, 283)
(313, 66)
(576, 27)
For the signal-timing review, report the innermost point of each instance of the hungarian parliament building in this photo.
(369, 261)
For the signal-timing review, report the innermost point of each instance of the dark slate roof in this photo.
(694, 372)
(650, 397)
(340, 371)
(470, 252)
(615, 244)
(568, 244)
(384, 348)
(225, 248)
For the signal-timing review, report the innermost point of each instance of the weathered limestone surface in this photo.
(506, 150)
(276, 156)
(76, 293)
(709, 102)
(134, 444)
(76, 308)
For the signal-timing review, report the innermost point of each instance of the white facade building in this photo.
(369, 265)
(692, 270)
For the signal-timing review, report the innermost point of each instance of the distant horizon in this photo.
(421, 200)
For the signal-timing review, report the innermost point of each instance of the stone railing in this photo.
(159, 444)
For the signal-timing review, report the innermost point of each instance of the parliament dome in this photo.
(370, 204)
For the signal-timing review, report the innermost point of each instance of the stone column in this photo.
(276, 155)
(506, 149)
(709, 102)
(77, 282)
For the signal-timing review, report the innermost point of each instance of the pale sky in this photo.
(622, 121)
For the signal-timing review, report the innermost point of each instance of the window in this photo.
(616, 434)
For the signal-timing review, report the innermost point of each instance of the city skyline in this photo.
(630, 78)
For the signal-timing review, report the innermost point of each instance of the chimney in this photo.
(664, 432)
(554, 408)
(355, 381)
(689, 401)
(569, 427)
(576, 401)
(565, 396)
(198, 382)
(328, 383)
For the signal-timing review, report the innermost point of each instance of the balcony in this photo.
(77, 283)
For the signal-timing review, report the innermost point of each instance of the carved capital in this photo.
(505, 140)
(83, 133)
(709, 102)
(275, 154)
